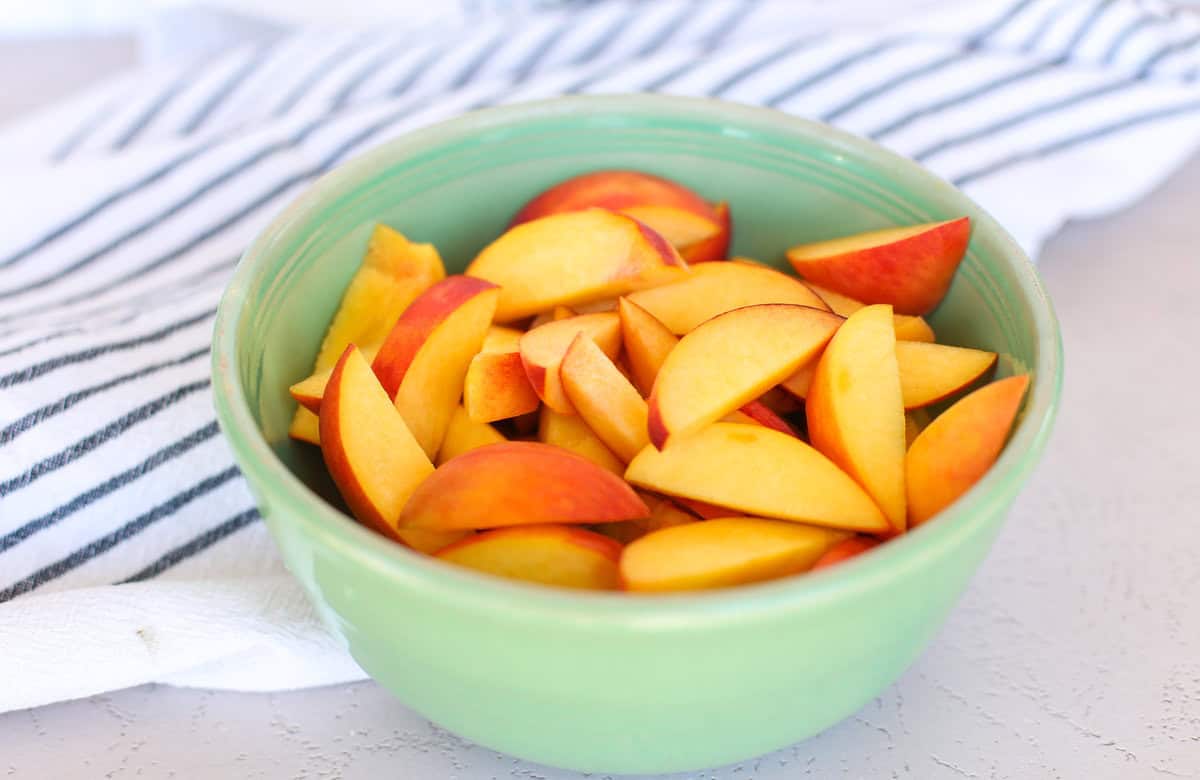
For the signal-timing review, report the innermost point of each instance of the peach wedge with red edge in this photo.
(423, 363)
(722, 552)
(844, 550)
(959, 446)
(520, 483)
(309, 391)
(578, 257)
(394, 272)
(647, 343)
(604, 398)
(495, 387)
(757, 471)
(543, 348)
(571, 433)
(928, 372)
(371, 455)
(908, 328)
(557, 555)
(615, 190)
(932, 372)
(715, 247)
(908, 267)
(464, 434)
(732, 359)
(305, 427)
(715, 288)
(855, 409)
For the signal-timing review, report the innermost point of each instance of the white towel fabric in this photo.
(130, 550)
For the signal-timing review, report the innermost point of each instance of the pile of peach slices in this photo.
(604, 401)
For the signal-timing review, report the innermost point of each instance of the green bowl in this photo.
(606, 682)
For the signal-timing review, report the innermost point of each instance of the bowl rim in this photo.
(280, 490)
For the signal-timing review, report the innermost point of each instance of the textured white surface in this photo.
(1075, 653)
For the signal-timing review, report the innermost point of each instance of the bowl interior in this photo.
(456, 186)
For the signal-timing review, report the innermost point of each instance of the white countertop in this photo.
(1074, 654)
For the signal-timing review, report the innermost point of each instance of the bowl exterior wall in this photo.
(654, 697)
(610, 683)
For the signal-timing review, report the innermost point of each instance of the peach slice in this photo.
(908, 267)
(758, 471)
(722, 552)
(710, 289)
(647, 343)
(958, 447)
(305, 427)
(570, 432)
(394, 272)
(615, 190)
(908, 328)
(558, 555)
(495, 387)
(520, 483)
(464, 434)
(566, 259)
(932, 372)
(732, 359)
(678, 226)
(715, 247)
(309, 391)
(371, 455)
(543, 348)
(928, 372)
(604, 398)
(855, 408)
(423, 363)
(847, 548)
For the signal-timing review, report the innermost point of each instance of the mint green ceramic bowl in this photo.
(608, 682)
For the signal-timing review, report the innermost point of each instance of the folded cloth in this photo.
(130, 549)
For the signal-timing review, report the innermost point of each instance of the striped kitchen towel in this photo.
(130, 549)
